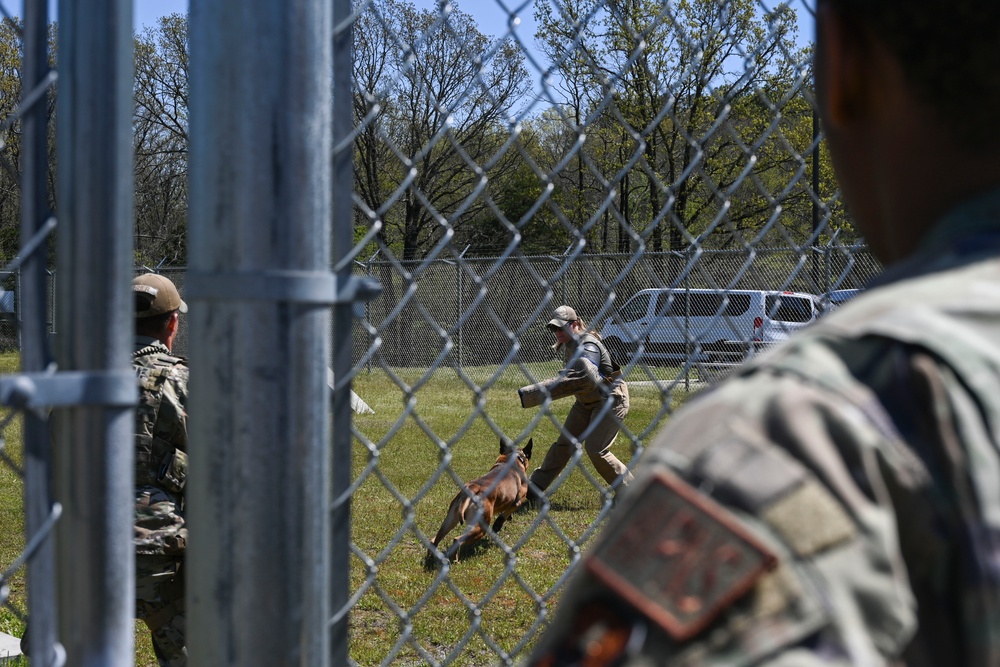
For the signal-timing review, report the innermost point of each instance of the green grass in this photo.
(12, 532)
(11, 511)
(407, 462)
(406, 495)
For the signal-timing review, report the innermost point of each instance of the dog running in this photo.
(500, 491)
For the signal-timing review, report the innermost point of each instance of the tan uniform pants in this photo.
(597, 445)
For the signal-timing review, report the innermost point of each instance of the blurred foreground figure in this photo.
(837, 501)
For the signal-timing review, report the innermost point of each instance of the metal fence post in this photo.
(94, 440)
(30, 293)
(343, 241)
(17, 307)
(459, 300)
(259, 288)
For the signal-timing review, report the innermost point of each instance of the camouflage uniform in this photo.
(160, 471)
(591, 381)
(837, 502)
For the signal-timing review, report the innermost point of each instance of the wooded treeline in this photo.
(650, 130)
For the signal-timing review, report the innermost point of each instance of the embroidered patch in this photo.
(678, 557)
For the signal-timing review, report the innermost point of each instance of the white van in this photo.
(837, 298)
(706, 323)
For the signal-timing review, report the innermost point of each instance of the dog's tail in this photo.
(463, 507)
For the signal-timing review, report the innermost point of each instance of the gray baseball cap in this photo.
(562, 316)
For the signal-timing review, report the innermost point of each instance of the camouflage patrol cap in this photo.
(156, 295)
(562, 316)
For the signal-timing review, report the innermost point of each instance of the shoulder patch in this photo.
(678, 557)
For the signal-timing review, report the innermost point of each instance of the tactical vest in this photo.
(608, 368)
(153, 456)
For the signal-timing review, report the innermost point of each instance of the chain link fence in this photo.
(66, 560)
(506, 160)
(615, 147)
(459, 303)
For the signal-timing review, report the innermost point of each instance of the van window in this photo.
(635, 309)
(738, 304)
(671, 303)
(706, 304)
(703, 304)
(786, 308)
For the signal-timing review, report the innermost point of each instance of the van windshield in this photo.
(787, 308)
(636, 308)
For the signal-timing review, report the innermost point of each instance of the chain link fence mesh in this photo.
(609, 147)
(463, 311)
(509, 159)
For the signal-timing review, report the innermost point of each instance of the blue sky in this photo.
(492, 15)
(144, 12)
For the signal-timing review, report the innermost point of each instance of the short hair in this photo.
(949, 54)
(153, 326)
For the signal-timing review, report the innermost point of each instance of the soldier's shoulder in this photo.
(954, 313)
(155, 356)
(157, 367)
(736, 579)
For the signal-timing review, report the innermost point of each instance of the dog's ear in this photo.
(504, 447)
(527, 448)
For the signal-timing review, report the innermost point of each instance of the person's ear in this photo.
(841, 71)
(174, 322)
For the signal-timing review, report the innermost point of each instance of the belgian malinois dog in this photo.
(500, 491)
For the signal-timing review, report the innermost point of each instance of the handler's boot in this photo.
(534, 500)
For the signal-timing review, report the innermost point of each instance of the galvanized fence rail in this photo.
(74, 394)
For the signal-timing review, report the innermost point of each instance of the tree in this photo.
(433, 102)
(433, 105)
(160, 136)
(11, 89)
(695, 117)
(10, 139)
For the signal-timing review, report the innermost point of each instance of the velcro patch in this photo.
(810, 520)
(678, 557)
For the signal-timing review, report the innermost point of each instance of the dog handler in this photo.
(160, 467)
(594, 379)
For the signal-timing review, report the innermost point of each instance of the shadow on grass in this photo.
(466, 551)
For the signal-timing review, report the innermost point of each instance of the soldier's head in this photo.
(909, 92)
(947, 52)
(158, 306)
(565, 324)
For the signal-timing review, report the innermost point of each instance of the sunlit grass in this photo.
(490, 598)
(404, 607)
(12, 532)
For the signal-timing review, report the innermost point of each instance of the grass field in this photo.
(12, 533)
(487, 602)
(11, 511)
(486, 597)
